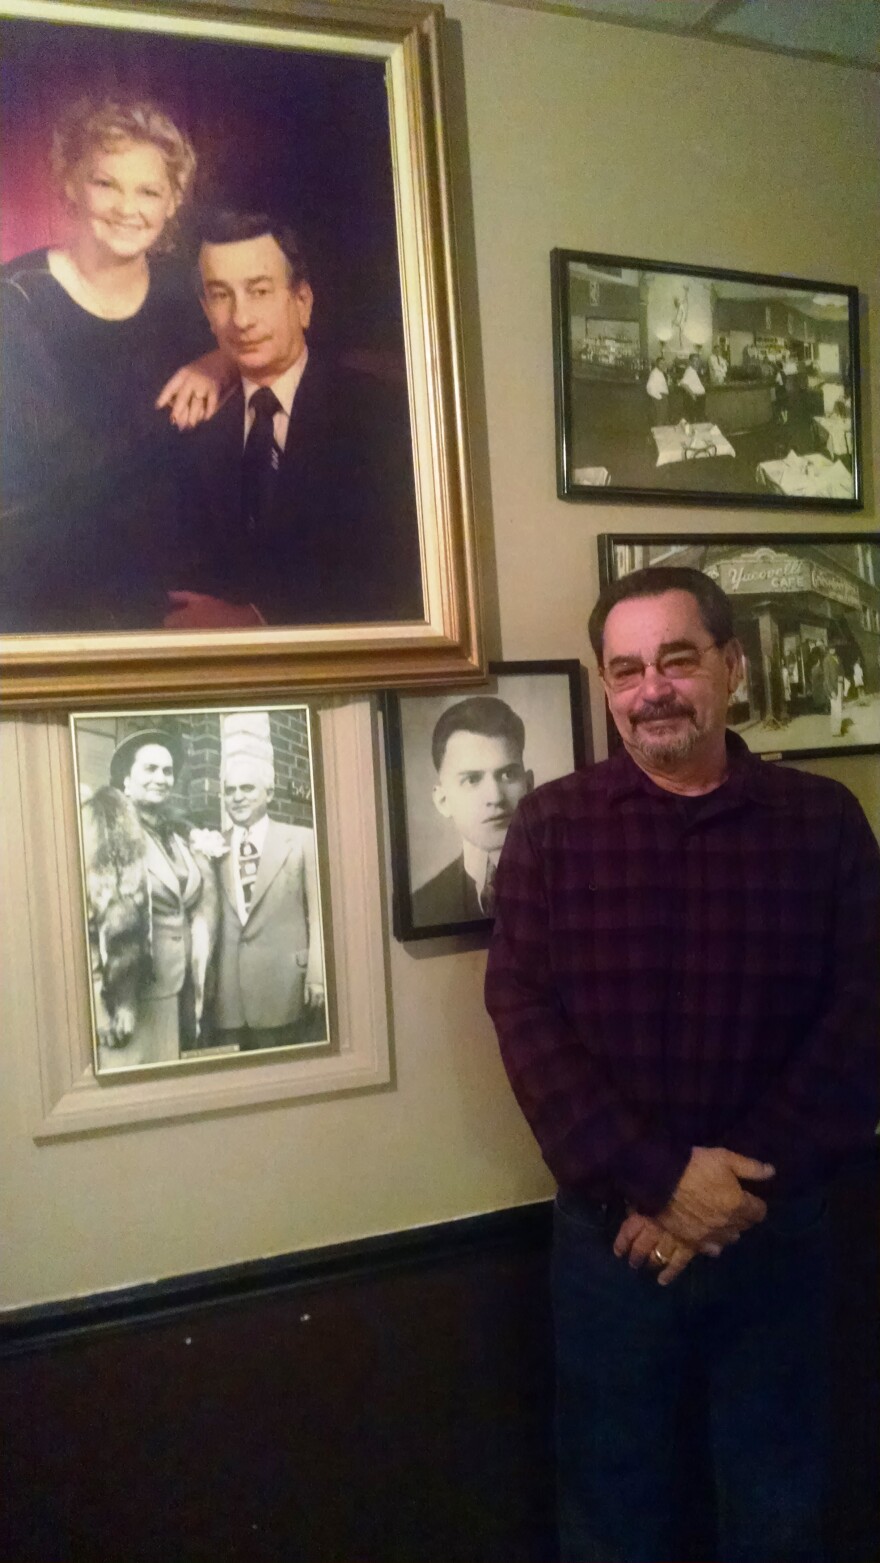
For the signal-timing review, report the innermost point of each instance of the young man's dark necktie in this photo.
(487, 894)
(259, 462)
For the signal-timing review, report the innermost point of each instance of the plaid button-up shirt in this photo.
(667, 973)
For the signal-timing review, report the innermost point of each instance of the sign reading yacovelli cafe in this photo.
(767, 571)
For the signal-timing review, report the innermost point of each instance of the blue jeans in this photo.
(752, 1325)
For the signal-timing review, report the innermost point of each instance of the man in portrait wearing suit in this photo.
(297, 497)
(477, 749)
(270, 971)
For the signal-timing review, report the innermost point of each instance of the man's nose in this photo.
(242, 312)
(653, 679)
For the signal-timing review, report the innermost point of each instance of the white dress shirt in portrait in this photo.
(476, 863)
(285, 388)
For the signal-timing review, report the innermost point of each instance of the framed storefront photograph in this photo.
(206, 913)
(806, 612)
(457, 764)
(684, 384)
(234, 452)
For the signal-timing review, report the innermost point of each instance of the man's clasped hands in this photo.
(708, 1209)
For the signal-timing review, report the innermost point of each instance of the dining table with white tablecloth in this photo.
(807, 477)
(689, 442)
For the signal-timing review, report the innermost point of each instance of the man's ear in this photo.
(440, 800)
(733, 656)
(305, 300)
(530, 781)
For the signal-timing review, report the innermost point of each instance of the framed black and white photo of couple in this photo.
(457, 764)
(806, 612)
(205, 915)
(689, 385)
(233, 453)
(202, 885)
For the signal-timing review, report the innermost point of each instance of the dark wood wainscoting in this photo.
(382, 1402)
(385, 1403)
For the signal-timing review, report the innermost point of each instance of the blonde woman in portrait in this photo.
(105, 358)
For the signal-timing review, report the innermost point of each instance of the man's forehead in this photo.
(670, 616)
(245, 770)
(466, 750)
(243, 260)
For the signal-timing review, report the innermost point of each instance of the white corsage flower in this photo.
(209, 842)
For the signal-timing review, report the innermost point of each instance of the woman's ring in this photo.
(660, 1258)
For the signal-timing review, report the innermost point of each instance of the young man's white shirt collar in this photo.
(285, 388)
(476, 863)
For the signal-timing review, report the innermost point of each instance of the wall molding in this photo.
(519, 1228)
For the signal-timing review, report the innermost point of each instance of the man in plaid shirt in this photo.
(683, 977)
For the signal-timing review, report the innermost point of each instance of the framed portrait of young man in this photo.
(232, 443)
(457, 764)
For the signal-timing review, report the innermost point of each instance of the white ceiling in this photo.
(844, 31)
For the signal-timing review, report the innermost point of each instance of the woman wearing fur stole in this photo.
(153, 909)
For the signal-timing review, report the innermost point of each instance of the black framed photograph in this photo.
(685, 384)
(232, 230)
(457, 765)
(806, 610)
(201, 886)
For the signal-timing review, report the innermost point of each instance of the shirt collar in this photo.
(255, 833)
(285, 387)
(476, 862)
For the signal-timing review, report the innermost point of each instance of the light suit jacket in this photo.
(265, 962)
(171, 917)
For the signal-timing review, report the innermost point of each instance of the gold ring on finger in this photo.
(661, 1259)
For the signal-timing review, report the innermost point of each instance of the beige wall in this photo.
(579, 135)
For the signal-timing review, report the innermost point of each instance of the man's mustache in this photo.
(660, 710)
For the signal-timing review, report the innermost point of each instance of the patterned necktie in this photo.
(487, 894)
(259, 462)
(248, 867)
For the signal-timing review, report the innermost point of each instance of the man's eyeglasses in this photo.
(627, 674)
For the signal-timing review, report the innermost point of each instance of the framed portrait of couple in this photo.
(232, 447)
(457, 765)
(204, 917)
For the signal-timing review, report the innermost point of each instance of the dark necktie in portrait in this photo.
(260, 461)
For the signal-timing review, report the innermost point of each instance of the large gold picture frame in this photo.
(97, 668)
